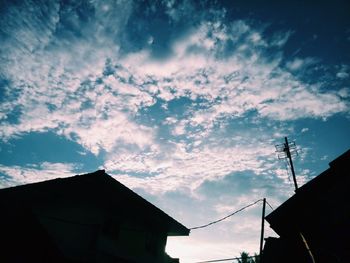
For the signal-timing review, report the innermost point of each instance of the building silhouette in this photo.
(84, 218)
(314, 224)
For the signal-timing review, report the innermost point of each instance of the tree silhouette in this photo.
(245, 258)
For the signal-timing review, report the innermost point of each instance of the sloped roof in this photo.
(311, 198)
(20, 238)
(98, 188)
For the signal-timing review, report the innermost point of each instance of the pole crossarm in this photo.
(286, 151)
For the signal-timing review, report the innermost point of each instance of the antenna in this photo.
(287, 150)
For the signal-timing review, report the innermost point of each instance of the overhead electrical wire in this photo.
(222, 219)
(225, 259)
(269, 205)
(192, 228)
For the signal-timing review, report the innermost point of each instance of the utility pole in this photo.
(262, 229)
(286, 151)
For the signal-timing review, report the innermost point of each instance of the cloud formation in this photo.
(74, 78)
(179, 100)
(34, 173)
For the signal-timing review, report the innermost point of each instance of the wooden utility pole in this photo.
(262, 229)
(286, 149)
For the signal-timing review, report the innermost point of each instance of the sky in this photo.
(181, 101)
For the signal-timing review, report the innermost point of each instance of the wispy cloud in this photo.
(96, 96)
(174, 97)
(35, 173)
(181, 168)
(343, 72)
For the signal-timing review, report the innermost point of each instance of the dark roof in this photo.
(95, 188)
(17, 242)
(323, 191)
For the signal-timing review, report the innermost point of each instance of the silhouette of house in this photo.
(84, 218)
(319, 213)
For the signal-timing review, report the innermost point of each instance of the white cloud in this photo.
(35, 173)
(180, 128)
(296, 64)
(101, 112)
(324, 157)
(344, 92)
(281, 38)
(245, 80)
(100, 127)
(300, 63)
(343, 72)
(84, 86)
(181, 168)
(303, 103)
(342, 75)
(100, 134)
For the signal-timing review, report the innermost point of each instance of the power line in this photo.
(222, 219)
(225, 259)
(269, 205)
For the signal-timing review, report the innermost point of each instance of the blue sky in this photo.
(182, 101)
